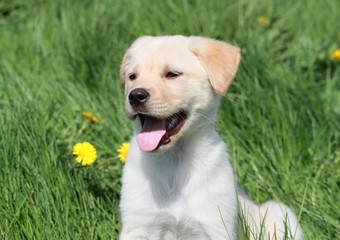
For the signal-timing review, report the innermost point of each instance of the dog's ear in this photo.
(219, 59)
(122, 68)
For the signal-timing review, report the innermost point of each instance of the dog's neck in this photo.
(170, 171)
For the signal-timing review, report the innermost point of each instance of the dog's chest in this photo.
(179, 187)
(179, 194)
(169, 182)
(177, 205)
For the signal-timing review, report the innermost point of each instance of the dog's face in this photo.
(171, 82)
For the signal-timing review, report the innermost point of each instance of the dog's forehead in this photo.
(159, 50)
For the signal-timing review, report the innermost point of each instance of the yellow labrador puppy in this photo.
(177, 181)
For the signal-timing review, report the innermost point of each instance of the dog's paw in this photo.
(132, 238)
(280, 221)
(133, 235)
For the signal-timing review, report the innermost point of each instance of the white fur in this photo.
(186, 191)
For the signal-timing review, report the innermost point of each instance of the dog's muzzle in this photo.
(156, 130)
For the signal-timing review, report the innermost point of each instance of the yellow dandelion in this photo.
(90, 116)
(335, 55)
(86, 153)
(123, 151)
(264, 21)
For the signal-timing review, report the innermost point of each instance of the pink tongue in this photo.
(150, 136)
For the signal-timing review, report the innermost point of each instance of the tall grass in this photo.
(280, 118)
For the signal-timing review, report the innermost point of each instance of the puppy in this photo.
(177, 182)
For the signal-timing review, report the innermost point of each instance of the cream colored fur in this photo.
(186, 189)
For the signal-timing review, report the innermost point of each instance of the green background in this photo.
(280, 117)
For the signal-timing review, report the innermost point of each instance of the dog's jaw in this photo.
(195, 119)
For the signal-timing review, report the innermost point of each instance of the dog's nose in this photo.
(138, 96)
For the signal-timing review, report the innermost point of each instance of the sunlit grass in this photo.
(58, 59)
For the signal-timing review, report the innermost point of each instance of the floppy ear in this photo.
(122, 68)
(219, 59)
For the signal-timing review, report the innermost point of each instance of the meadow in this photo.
(280, 118)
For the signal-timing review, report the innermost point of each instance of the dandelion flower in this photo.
(90, 116)
(85, 152)
(264, 21)
(335, 55)
(123, 151)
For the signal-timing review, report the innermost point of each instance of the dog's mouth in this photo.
(158, 131)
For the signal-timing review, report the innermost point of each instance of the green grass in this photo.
(280, 118)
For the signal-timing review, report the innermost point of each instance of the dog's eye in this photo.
(171, 74)
(132, 76)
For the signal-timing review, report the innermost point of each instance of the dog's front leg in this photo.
(138, 210)
(137, 223)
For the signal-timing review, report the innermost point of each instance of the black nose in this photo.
(138, 96)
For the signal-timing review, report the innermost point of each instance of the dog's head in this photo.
(172, 83)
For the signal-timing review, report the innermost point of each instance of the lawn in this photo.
(280, 117)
